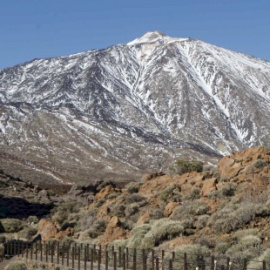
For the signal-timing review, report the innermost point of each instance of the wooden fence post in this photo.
(26, 251)
(68, 251)
(134, 259)
(124, 261)
(99, 258)
(46, 252)
(63, 254)
(144, 259)
(153, 259)
(85, 257)
(41, 251)
(92, 259)
(87, 247)
(36, 250)
(106, 259)
(52, 252)
(31, 252)
(79, 258)
(212, 263)
(245, 264)
(114, 261)
(264, 265)
(119, 256)
(171, 264)
(173, 255)
(228, 264)
(162, 258)
(58, 251)
(185, 262)
(198, 262)
(73, 255)
(127, 255)
(157, 263)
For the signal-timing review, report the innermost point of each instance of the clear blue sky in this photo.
(47, 28)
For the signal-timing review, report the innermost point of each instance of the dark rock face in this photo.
(121, 111)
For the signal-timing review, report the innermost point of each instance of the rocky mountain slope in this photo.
(118, 112)
(223, 212)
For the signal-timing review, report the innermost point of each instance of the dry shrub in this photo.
(133, 187)
(132, 209)
(11, 225)
(162, 230)
(257, 262)
(193, 251)
(16, 266)
(189, 209)
(134, 198)
(182, 166)
(27, 233)
(230, 218)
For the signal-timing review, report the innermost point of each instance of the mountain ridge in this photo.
(139, 105)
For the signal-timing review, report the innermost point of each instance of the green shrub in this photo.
(264, 209)
(250, 241)
(231, 218)
(228, 190)
(133, 187)
(88, 219)
(27, 233)
(164, 229)
(166, 192)
(99, 203)
(257, 262)
(16, 266)
(259, 163)
(119, 244)
(11, 225)
(156, 213)
(190, 209)
(33, 219)
(201, 221)
(137, 235)
(132, 209)
(97, 228)
(118, 210)
(241, 233)
(63, 211)
(193, 251)
(221, 248)
(182, 166)
(194, 194)
(134, 198)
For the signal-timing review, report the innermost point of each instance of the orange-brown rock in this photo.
(47, 229)
(103, 194)
(113, 232)
(209, 185)
(144, 218)
(169, 208)
(62, 234)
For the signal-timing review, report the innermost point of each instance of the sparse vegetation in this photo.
(16, 266)
(204, 216)
(182, 166)
(11, 225)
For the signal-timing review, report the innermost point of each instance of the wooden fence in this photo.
(91, 257)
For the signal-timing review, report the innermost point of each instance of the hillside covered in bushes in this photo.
(222, 210)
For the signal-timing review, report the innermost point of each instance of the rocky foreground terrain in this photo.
(223, 210)
(130, 109)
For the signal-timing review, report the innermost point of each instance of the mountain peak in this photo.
(149, 37)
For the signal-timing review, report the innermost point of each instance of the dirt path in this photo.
(5, 262)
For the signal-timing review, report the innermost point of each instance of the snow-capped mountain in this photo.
(118, 112)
